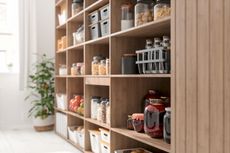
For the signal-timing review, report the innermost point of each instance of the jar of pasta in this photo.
(142, 12)
(162, 9)
(95, 65)
(102, 67)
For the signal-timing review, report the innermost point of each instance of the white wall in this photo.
(13, 108)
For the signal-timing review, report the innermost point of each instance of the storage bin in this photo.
(104, 12)
(61, 124)
(62, 17)
(72, 134)
(81, 138)
(105, 147)
(105, 135)
(61, 101)
(132, 150)
(95, 31)
(104, 27)
(95, 139)
(94, 17)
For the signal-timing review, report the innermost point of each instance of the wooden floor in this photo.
(28, 141)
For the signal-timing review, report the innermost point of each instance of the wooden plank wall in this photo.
(202, 78)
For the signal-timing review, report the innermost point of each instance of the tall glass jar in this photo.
(102, 67)
(94, 104)
(74, 69)
(108, 112)
(95, 65)
(162, 9)
(142, 12)
(107, 66)
(127, 16)
(77, 6)
(167, 125)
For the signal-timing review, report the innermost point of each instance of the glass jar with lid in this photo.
(108, 112)
(148, 44)
(142, 12)
(74, 69)
(127, 16)
(77, 6)
(107, 66)
(162, 9)
(95, 65)
(167, 126)
(102, 67)
(62, 69)
(95, 100)
(101, 111)
(157, 42)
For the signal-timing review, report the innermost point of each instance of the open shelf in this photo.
(63, 26)
(98, 123)
(100, 81)
(96, 5)
(76, 47)
(79, 17)
(101, 40)
(74, 115)
(158, 143)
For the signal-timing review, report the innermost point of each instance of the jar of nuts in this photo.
(162, 9)
(102, 67)
(143, 12)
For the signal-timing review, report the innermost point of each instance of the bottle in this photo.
(77, 6)
(127, 16)
(167, 125)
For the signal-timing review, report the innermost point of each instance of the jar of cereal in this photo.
(102, 67)
(142, 12)
(162, 9)
(95, 65)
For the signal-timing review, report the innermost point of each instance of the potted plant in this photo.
(41, 83)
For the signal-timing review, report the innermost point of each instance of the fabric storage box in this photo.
(72, 134)
(132, 150)
(95, 31)
(61, 124)
(104, 24)
(81, 138)
(94, 17)
(105, 135)
(105, 147)
(104, 12)
(61, 101)
(95, 139)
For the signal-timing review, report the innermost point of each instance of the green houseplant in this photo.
(41, 83)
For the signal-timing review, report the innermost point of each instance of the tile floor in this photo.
(29, 141)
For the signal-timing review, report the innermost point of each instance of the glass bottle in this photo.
(77, 6)
(142, 12)
(162, 9)
(167, 125)
(127, 16)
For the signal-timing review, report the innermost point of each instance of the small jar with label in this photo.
(107, 66)
(102, 67)
(162, 9)
(127, 16)
(62, 69)
(74, 69)
(95, 65)
(77, 6)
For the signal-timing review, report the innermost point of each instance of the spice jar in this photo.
(95, 101)
(62, 69)
(74, 69)
(107, 66)
(167, 125)
(130, 122)
(162, 9)
(102, 67)
(127, 16)
(108, 112)
(149, 44)
(77, 6)
(153, 122)
(138, 122)
(95, 65)
(142, 12)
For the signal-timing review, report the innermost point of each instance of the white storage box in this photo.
(61, 101)
(130, 150)
(95, 31)
(81, 138)
(72, 134)
(95, 139)
(105, 135)
(105, 147)
(94, 17)
(104, 12)
(62, 17)
(61, 124)
(104, 27)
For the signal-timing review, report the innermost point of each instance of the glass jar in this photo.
(130, 123)
(74, 69)
(162, 9)
(79, 65)
(107, 66)
(127, 16)
(95, 65)
(167, 125)
(138, 122)
(157, 42)
(154, 114)
(62, 69)
(152, 94)
(94, 104)
(108, 112)
(149, 44)
(142, 12)
(102, 67)
(101, 111)
(77, 6)
(82, 69)
(166, 42)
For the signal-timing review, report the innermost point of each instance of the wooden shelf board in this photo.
(159, 27)
(157, 143)
(61, 51)
(79, 17)
(75, 76)
(96, 5)
(101, 81)
(60, 110)
(61, 76)
(62, 26)
(101, 40)
(75, 115)
(104, 125)
(60, 2)
(140, 75)
(77, 47)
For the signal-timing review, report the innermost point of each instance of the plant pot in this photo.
(46, 124)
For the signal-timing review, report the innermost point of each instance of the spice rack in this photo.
(124, 95)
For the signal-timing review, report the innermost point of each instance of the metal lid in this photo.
(168, 109)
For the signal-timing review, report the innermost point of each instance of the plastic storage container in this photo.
(167, 125)
(105, 135)
(81, 138)
(95, 31)
(162, 9)
(94, 17)
(128, 65)
(94, 104)
(105, 147)
(95, 139)
(72, 134)
(127, 16)
(61, 124)
(104, 24)
(104, 12)
(61, 101)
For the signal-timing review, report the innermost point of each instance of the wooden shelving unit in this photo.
(125, 95)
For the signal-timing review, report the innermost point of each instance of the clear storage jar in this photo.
(162, 9)
(167, 125)
(102, 67)
(101, 111)
(108, 112)
(74, 69)
(94, 106)
(95, 65)
(142, 12)
(77, 6)
(127, 16)
(107, 66)
(62, 69)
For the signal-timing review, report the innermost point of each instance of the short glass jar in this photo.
(62, 69)
(138, 122)
(162, 9)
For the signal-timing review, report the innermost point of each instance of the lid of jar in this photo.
(77, 1)
(62, 66)
(138, 116)
(74, 64)
(152, 91)
(154, 101)
(98, 58)
(79, 64)
(168, 109)
(163, 1)
(129, 55)
(103, 61)
(127, 5)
